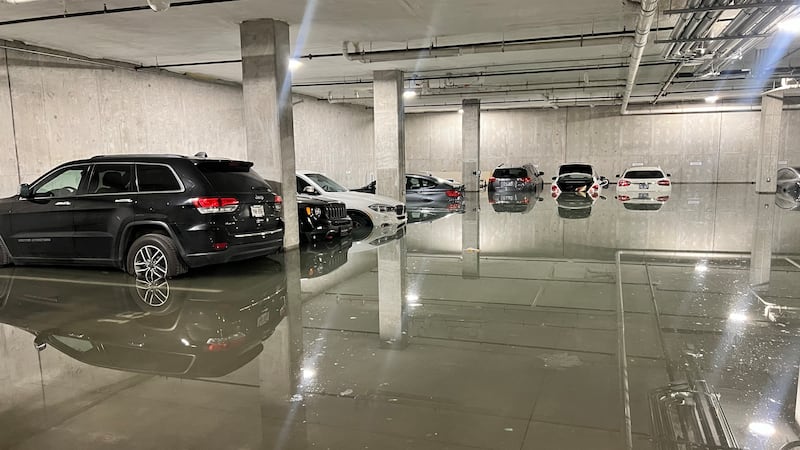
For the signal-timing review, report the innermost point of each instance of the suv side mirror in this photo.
(309, 190)
(25, 191)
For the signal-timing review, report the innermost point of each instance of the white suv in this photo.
(366, 210)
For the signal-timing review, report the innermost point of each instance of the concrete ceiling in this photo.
(183, 36)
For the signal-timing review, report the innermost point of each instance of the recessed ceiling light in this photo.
(790, 25)
(738, 317)
(409, 94)
(701, 267)
(712, 99)
(461, 111)
(761, 429)
(309, 374)
(295, 64)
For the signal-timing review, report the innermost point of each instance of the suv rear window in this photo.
(156, 178)
(511, 172)
(232, 176)
(644, 174)
(575, 168)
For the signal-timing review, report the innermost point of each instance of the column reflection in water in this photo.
(763, 234)
(471, 238)
(281, 374)
(392, 277)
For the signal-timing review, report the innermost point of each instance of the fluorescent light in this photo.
(738, 317)
(790, 25)
(309, 374)
(295, 64)
(712, 99)
(412, 297)
(409, 94)
(461, 111)
(761, 429)
(701, 267)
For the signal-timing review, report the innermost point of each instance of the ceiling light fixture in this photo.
(409, 94)
(294, 64)
(701, 267)
(712, 99)
(461, 111)
(738, 317)
(761, 429)
(790, 25)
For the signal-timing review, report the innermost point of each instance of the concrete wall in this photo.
(65, 110)
(335, 139)
(713, 147)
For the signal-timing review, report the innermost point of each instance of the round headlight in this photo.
(317, 211)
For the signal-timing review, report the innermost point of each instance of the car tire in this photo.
(160, 255)
(5, 257)
(362, 225)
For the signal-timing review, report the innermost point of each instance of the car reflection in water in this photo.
(642, 201)
(513, 201)
(322, 258)
(207, 324)
(575, 205)
(429, 215)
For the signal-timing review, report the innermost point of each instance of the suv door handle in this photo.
(62, 203)
(123, 200)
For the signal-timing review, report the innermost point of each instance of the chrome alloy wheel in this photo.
(150, 264)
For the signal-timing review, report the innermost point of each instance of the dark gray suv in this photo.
(153, 216)
(516, 178)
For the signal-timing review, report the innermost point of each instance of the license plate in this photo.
(257, 211)
(263, 319)
(644, 185)
(644, 195)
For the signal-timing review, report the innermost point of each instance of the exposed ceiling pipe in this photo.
(680, 26)
(643, 24)
(693, 28)
(668, 83)
(457, 50)
(702, 30)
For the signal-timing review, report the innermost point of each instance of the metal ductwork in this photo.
(643, 23)
(357, 54)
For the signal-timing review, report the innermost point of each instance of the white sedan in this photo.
(644, 184)
(366, 210)
(577, 178)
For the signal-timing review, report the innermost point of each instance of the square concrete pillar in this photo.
(267, 90)
(392, 274)
(390, 148)
(763, 234)
(471, 144)
(768, 151)
(471, 238)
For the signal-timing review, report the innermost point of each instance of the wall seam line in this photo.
(13, 120)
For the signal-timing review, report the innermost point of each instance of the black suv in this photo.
(151, 215)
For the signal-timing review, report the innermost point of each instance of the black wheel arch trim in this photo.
(126, 233)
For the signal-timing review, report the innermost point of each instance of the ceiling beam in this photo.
(736, 6)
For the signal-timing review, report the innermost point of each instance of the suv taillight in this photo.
(492, 179)
(278, 203)
(663, 182)
(525, 180)
(213, 205)
(623, 183)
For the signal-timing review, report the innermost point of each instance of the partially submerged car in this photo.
(427, 192)
(513, 201)
(578, 178)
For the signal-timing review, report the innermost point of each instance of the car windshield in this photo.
(643, 174)
(510, 172)
(575, 168)
(326, 183)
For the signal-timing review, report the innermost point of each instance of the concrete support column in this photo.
(267, 90)
(390, 148)
(471, 238)
(768, 151)
(471, 144)
(763, 233)
(392, 273)
(281, 380)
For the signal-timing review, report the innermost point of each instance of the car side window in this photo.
(425, 183)
(111, 179)
(62, 183)
(301, 184)
(413, 183)
(156, 178)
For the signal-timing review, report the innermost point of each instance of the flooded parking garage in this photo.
(625, 329)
